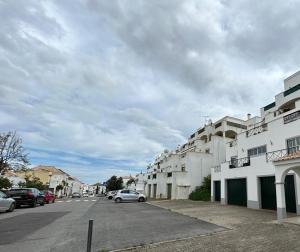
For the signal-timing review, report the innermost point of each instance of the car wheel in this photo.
(12, 207)
(53, 200)
(141, 199)
(33, 205)
(42, 203)
(118, 200)
(110, 197)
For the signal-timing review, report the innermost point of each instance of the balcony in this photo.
(280, 154)
(257, 130)
(241, 162)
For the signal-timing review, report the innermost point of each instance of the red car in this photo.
(49, 197)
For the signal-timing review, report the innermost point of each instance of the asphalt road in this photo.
(62, 226)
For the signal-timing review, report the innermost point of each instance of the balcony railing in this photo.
(257, 130)
(241, 162)
(276, 155)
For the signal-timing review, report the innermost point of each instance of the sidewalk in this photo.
(250, 230)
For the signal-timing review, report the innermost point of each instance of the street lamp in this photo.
(50, 175)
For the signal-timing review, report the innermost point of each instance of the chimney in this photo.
(248, 116)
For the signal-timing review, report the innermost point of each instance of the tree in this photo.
(202, 192)
(12, 155)
(5, 183)
(32, 183)
(59, 187)
(130, 181)
(114, 183)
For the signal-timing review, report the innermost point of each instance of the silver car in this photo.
(6, 203)
(129, 195)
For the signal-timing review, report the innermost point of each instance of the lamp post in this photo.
(50, 175)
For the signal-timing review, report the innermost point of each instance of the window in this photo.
(257, 151)
(234, 161)
(218, 125)
(207, 151)
(183, 168)
(293, 144)
(125, 191)
(149, 177)
(154, 176)
(169, 174)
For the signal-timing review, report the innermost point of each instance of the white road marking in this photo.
(86, 200)
(59, 201)
(77, 200)
(69, 201)
(94, 200)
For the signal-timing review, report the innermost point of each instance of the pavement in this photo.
(62, 226)
(248, 229)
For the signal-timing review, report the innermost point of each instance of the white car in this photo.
(6, 203)
(85, 195)
(129, 195)
(111, 194)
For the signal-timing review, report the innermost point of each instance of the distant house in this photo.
(14, 178)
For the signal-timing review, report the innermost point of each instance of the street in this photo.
(62, 226)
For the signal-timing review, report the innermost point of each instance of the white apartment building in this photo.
(175, 174)
(262, 165)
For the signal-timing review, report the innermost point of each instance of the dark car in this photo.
(27, 196)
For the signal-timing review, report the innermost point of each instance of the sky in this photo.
(99, 88)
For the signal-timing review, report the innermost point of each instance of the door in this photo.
(268, 193)
(290, 196)
(134, 196)
(154, 190)
(169, 191)
(237, 192)
(217, 190)
(125, 195)
(149, 191)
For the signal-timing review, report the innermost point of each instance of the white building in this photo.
(175, 174)
(261, 166)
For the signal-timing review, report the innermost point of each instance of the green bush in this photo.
(202, 192)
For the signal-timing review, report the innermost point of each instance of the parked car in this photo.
(27, 196)
(129, 195)
(76, 195)
(111, 194)
(6, 203)
(49, 197)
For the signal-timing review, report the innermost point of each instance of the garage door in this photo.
(217, 190)
(237, 192)
(268, 193)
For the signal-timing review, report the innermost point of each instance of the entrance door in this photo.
(149, 191)
(290, 196)
(237, 192)
(217, 190)
(154, 191)
(169, 191)
(268, 193)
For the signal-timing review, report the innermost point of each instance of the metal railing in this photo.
(257, 130)
(275, 155)
(241, 162)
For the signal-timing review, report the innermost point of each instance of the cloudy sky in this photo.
(100, 87)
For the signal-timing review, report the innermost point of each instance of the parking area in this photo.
(248, 230)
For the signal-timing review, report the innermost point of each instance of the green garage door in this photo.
(237, 192)
(268, 193)
(290, 196)
(217, 190)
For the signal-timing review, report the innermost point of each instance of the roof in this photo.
(289, 156)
